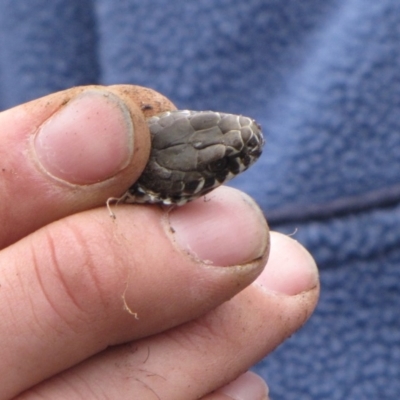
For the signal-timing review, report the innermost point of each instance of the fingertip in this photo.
(92, 144)
(227, 229)
(290, 269)
(248, 386)
(88, 140)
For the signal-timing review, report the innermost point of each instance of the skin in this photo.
(94, 307)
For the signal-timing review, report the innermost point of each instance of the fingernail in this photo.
(248, 386)
(89, 140)
(225, 229)
(290, 268)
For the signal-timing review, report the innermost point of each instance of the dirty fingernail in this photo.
(227, 228)
(88, 140)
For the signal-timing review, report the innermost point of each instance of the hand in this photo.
(93, 307)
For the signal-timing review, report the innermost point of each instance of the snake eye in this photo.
(218, 165)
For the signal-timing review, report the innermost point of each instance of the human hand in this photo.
(93, 307)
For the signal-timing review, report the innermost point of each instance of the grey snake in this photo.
(193, 152)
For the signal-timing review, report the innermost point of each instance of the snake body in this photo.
(192, 153)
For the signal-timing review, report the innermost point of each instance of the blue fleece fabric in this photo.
(323, 79)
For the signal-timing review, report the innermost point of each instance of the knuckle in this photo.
(77, 274)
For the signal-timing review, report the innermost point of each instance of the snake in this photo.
(192, 153)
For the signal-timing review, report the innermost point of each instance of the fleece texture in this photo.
(323, 79)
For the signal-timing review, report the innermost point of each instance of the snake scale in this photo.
(192, 153)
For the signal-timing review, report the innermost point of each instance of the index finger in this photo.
(70, 151)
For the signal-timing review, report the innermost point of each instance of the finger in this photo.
(86, 282)
(70, 151)
(194, 359)
(248, 386)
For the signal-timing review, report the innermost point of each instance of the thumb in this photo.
(70, 151)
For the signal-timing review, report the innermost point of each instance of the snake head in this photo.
(192, 153)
